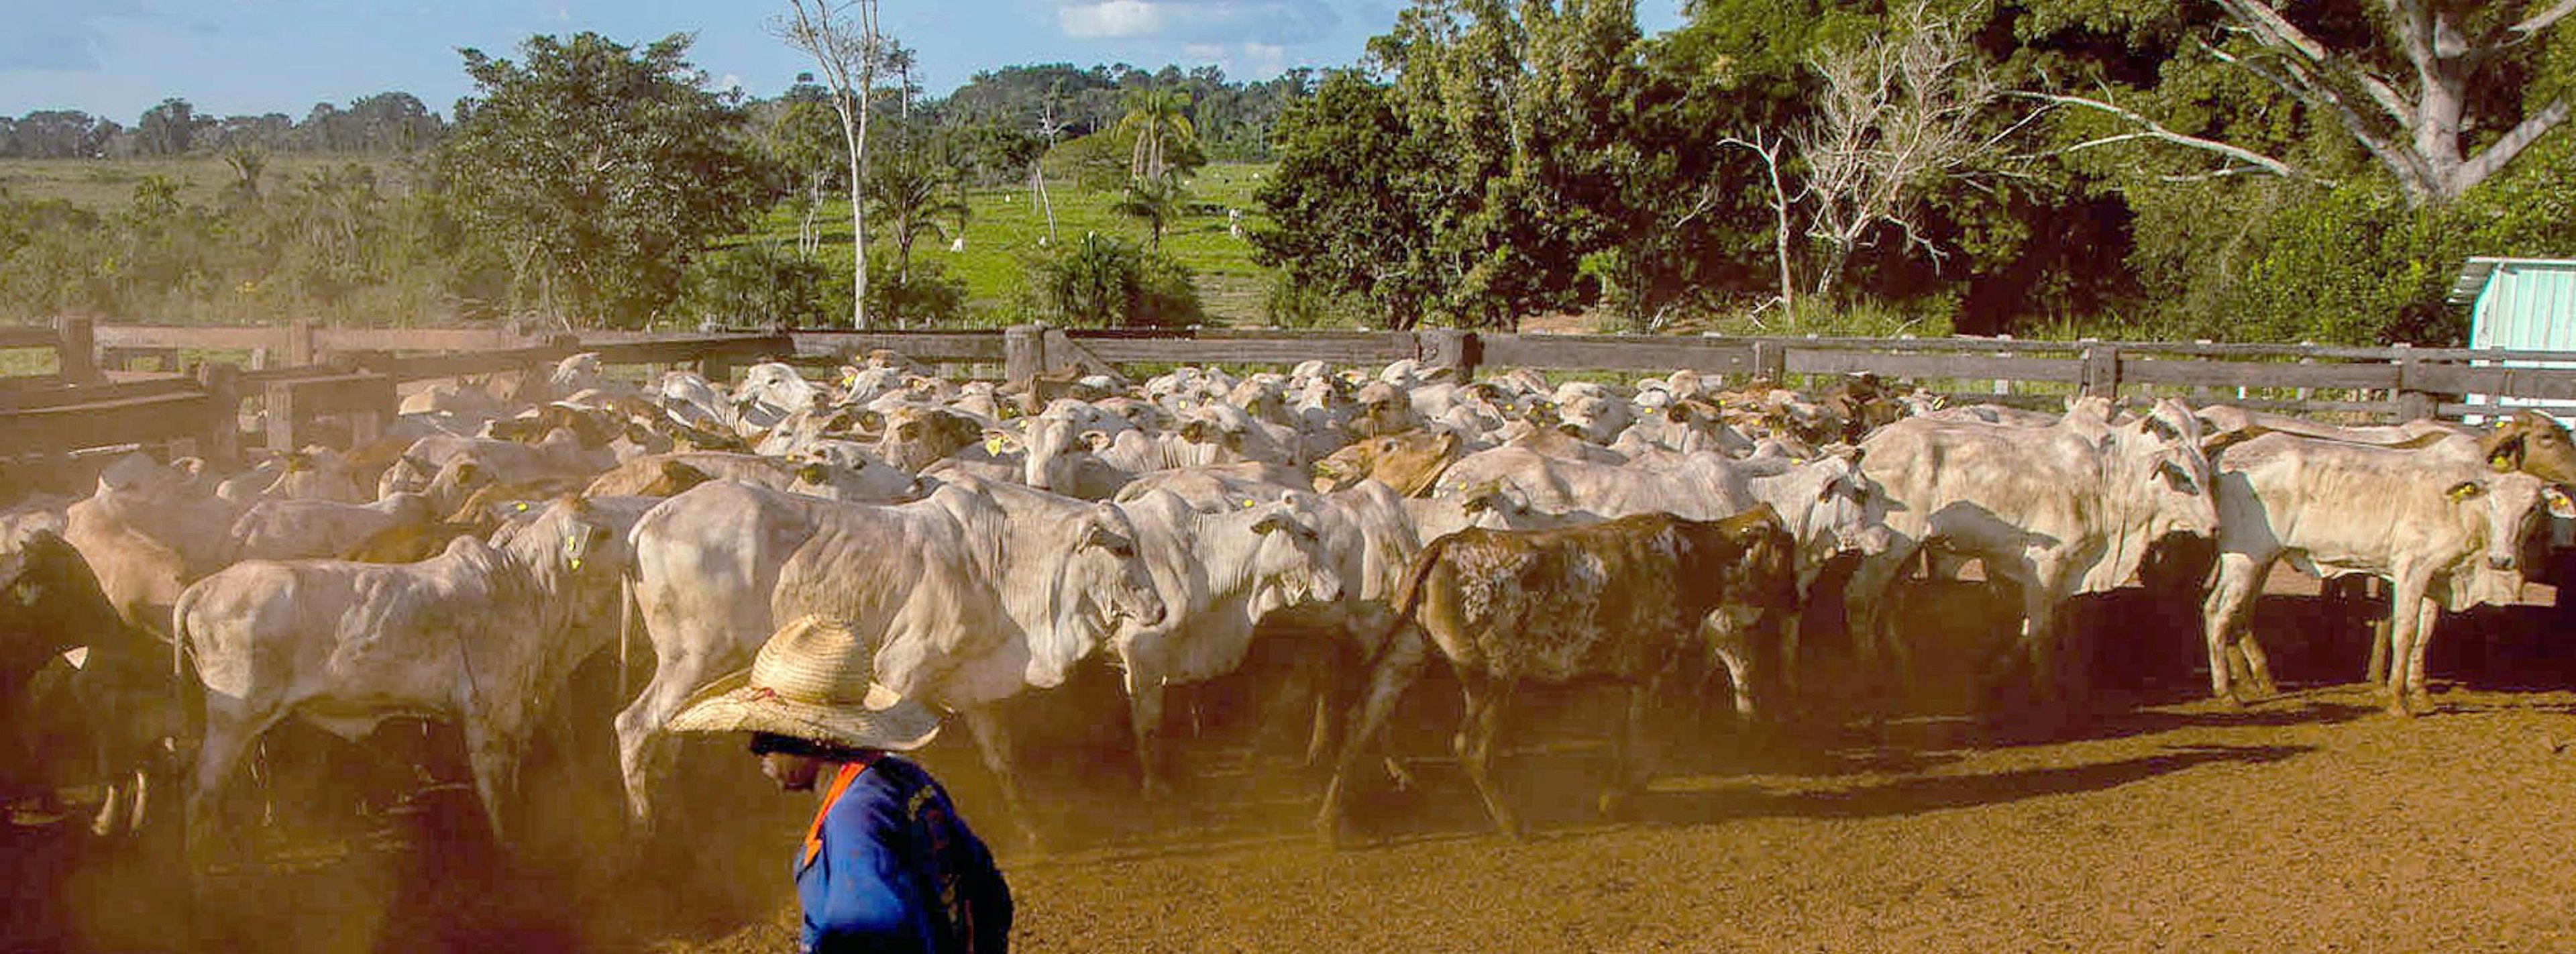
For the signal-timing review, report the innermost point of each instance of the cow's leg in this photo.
(493, 749)
(1632, 753)
(646, 754)
(992, 734)
(231, 729)
(2408, 612)
(1395, 670)
(2237, 578)
(1144, 682)
(1489, 699)
(1861, 600)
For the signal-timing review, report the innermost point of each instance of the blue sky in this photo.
(116, 58)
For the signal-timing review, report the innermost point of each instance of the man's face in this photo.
(793, 773)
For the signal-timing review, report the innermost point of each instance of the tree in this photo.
(1900, 117)
(1158, 116)
(1154, 202)
(909, 191)
(169, 129)
(599, 169)
(848, 53)
(1352, 207)
(2441, 95)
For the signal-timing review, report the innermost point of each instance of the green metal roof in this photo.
(2521, 304)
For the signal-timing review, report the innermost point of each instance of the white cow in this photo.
(1218, 575)
(2058, 510)
(484, 635)
(972, 594)
(2445, 533)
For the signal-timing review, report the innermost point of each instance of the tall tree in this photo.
(2441, 94)
(169, 129)
(1159, 117)
(845, 45)
(599, 168)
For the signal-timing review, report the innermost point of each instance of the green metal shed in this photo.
(2520, 304)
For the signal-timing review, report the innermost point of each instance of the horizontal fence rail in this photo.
(302, 371)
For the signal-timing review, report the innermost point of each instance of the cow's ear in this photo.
(2464, 490)
(2557, 502)
(2504, 454)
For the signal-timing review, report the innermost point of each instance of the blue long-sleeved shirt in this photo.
(898, 870)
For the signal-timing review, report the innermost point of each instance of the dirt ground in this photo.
(2150, 820)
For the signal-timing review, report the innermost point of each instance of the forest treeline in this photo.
(2232, 169)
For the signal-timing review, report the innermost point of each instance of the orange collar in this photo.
(840, 783)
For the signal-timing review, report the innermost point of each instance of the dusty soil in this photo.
(2150, 820)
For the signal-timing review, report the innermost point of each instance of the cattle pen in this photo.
(94, 396)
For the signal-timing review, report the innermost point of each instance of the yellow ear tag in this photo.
(993, 446)
(1249, 503)
(522, 506)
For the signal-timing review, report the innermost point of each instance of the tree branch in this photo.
(2273, 30)
(2502, 151)
(2542, 20)
(2155, 130)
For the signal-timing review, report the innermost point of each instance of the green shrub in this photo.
(1103, 282)
(762, 282)
(926, 297)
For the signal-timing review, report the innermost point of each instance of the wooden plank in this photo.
(343, 394)
(1619, 353)
(159, 386)
(133, 420)
(2553, 384)
(928, 347)
(18, 337)
(446, 366)
(2249, 374)
(1231, 350)
(158, 336)
(415, 339)
(669, 350)
(1805, 361)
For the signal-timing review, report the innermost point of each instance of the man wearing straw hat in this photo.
(888, 865)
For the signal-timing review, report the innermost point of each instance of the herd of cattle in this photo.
(989, 539)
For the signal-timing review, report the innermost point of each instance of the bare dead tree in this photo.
(1901, 114)
(844, 43)
(1769, 149)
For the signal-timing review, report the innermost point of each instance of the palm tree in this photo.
(1159, 118)
(910, 193)
(1155, 201)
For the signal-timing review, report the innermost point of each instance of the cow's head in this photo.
(1108, 574)
(2533, 443)
(2506, 508)
(1293, 563)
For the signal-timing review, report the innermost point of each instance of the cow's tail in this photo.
(1408, 595)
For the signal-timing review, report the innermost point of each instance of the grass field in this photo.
(1004, 233)
(107, 185)
(1007, 230)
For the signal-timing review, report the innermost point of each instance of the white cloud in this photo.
(1111, 20)
(1242, 59)
(729, 81)
(1243, 23)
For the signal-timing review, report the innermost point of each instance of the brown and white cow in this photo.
(1625, 600)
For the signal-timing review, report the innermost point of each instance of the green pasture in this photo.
(107, 185)
(1006, 232)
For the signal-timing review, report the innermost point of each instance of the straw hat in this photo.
(814, 679)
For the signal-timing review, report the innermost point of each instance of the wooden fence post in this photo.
(300, 351)
(1023, 352)
(1452, 348)
(222, 381)
(1770, 361)
(2102, 370)
(278, 404)
(79, 351)
(2412, 405)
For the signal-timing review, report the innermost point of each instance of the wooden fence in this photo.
(300, 372)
